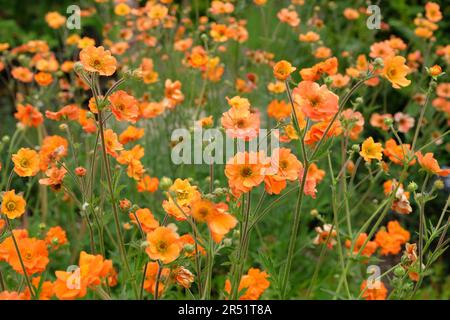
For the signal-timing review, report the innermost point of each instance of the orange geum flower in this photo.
(163, 244)
(435, 70)
(34, 255)
(282, 70)
(151, 275)
(183, 277)
(289, 17)
(56, 237)
(28, 115)
(377, 292)
(354, 121)
(53, 148)
(397, 153)
(112, 143)
(43, 78)
(245, 171)
(172, 93)
(26, 162)
(278, 109)
(55, 20)
(369, 249)
(241, 123)
(318, 129)
(13, 206)
(255, 282)
(286, 167)
(97, 59)
(144, 217)
(131, 134)
(371, 150)
(219, 32)
(395, 70)
(148, 184)
(310, 36)
(326, 235)
(22, 74)
(315, 101)
(54, 178)
(430, 164)
(433, 12)
(124, 106)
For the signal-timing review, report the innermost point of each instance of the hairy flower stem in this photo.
(242, 250)
(122, 251)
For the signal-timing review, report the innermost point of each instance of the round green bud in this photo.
(165, 183)
(399, 271)
(412, 186)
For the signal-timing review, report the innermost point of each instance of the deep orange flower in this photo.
(145, 219)
(397, 153)
(219, 221)
(56, 237)
(13, 206)
(131, 134)
(148, 184)
(26, 162)
(282, 70)
(278, 109)
(112, 143)
(28, 115)
(254, 283)
(43, 79)
(285, 166)
(163, 244)
(430, 164)
(34, 256)
(150, 278)
(378, 292)
(55, 20)
(97, 59)
(124, 106)
(433, 12)
(53, 149)
(369, 249)
(172, 93)
(316, 102)
(69, 112)
(245, 171)
(390, 241)
(317, 130)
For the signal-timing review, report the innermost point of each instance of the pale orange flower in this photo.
(26, 162)
(395, 71)
(124, 106)
(163, 245)
(112, 143)
(28, 115)
(97, 59)
(144, 217)
(13, 206)
(430, 164)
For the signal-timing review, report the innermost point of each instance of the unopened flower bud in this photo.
(78, 67)
(399, 271)
(388, 121)
(412, 186)
(165, 183)
(356, 148)
(439, 184)
(378, 63)
(5, 139)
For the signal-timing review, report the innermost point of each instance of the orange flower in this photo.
(282, 70)
(55, 20)
(26, 162)
(172, 93)
(131, 134)
(390, 241)
(397, 153)
(12, 295)
(29, 116)
(148, 184)
(53, 149)
(97, 59)
(371, 150)
(45, 289)
(219, 221)
(378, 292)
(112, 143)
(317, 131)
(433, 12)
(395, 71)
(313, 177)
(69, 112)
(286, 167)
(369, 249)
(354, 121)
(255, 282)
(43, 78)
(91, 271)
(34, 256)
(316, 102)
(145, 219)
(183, 277)
(290, 17)
(13, 206)
(245, 171)
(55, 178)
(435, 70)
(183, 194)
(150, 278)
(56, 237)
(163, 244)
(241, 123)
(430, 164)
(124, 106)
(22, 74)
(278, 109)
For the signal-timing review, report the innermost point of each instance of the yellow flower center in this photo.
(11, 206)
(162, 246)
